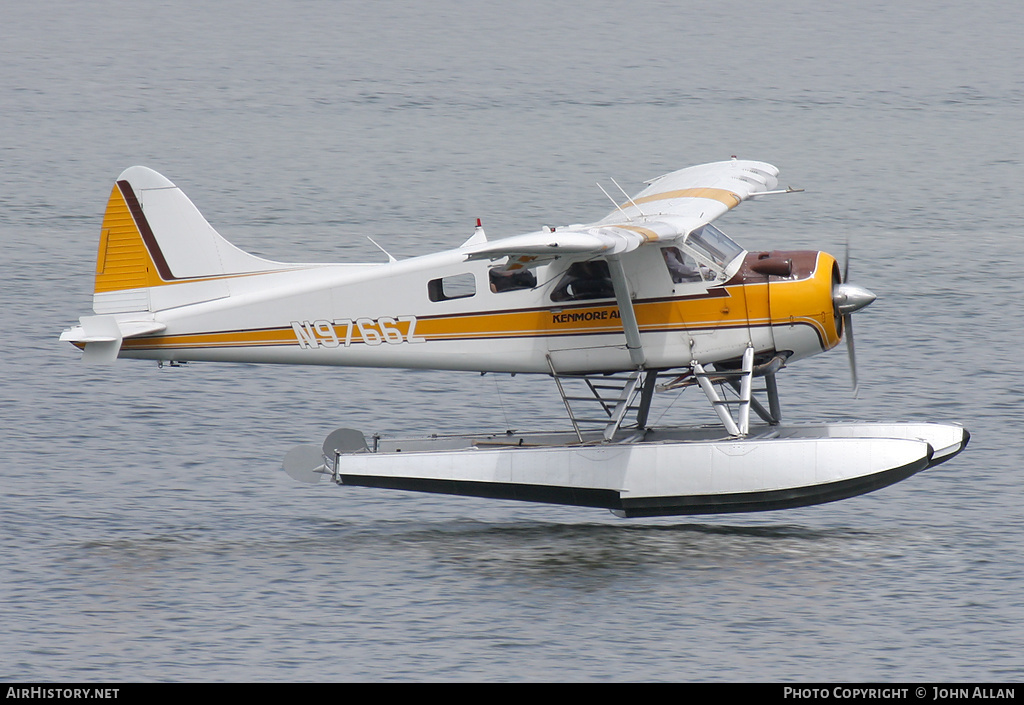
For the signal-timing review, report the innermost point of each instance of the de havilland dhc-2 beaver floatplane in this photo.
(652, 297)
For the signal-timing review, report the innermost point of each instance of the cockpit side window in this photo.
(683, 267)
(584, 281)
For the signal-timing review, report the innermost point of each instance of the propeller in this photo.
(848, 299)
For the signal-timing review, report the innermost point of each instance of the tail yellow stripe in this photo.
(123, 262)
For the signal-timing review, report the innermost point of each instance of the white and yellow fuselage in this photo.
(169, 288)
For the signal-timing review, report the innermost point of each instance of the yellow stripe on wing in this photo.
(724, 196)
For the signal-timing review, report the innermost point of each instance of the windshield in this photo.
(714, 245)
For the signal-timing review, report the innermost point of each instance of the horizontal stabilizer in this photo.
(100, 337)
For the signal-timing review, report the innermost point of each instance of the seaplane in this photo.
(653, 297)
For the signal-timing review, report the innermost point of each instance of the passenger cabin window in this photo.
(583, 281)
(511, 280)
(459, 286)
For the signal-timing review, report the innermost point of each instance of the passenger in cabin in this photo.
(585, 280)
(514, 280)
(680, 266)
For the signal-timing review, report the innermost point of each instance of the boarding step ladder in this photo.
(732, 394)
(723, 404)
(604, 402)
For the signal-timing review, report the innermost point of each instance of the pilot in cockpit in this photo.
(681, 267)
(502, 280)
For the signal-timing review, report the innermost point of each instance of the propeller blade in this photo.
(851, 351)
(847, 299)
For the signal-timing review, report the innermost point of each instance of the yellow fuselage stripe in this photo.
(805, 302)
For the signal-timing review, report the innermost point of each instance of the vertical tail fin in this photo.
(153, 240)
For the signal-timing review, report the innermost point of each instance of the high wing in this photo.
(699, 194)
(670, 208)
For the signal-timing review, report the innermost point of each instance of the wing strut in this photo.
(635, 380)
(626, 312)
